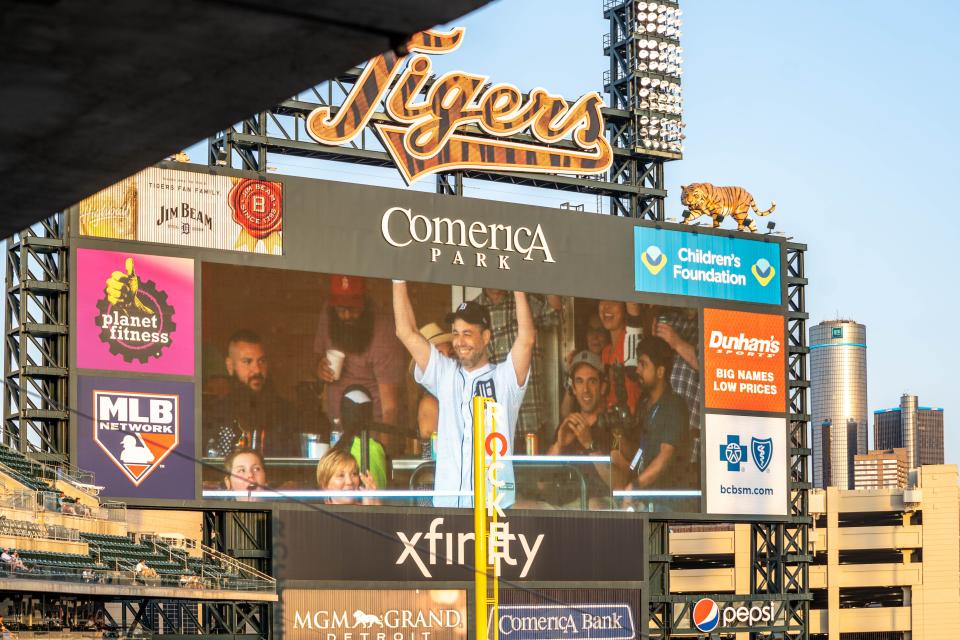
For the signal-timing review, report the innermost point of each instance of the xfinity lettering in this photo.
(432, 547)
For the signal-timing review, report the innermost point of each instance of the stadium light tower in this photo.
(646, 64)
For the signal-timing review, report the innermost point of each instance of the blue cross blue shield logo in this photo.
(762, 450)
(733, 453)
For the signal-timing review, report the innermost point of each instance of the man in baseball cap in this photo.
(352, 329)
(590, 431)
(469, 374)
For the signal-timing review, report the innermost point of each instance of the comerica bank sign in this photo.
(706, 265)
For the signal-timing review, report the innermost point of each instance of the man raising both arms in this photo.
(456, 381)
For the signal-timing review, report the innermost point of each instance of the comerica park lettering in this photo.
(129, 414)
(401, 227)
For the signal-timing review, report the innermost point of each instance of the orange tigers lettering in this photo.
(429, 135)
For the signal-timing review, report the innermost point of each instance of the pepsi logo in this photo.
(706, 615)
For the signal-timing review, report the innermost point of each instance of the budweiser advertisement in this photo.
(431, 135)
(189, 209)
(744, 362)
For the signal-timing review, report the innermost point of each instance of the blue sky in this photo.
(842, 112)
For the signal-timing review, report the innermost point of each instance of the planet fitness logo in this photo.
(706, 615)
(134, 317)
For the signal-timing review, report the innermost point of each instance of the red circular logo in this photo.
(257, 206)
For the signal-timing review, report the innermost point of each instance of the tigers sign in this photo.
(463, 122)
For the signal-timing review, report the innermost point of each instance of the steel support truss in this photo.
(35, 409)
(779, 551)
(161, 618)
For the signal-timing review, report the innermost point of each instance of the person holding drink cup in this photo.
(356, 345)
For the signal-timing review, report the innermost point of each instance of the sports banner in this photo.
(746, 465)
(744, 362)
(137, 436)
(189, 209)
(135, 312)
(707, 266)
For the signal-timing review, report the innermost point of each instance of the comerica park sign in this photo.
(462, 121)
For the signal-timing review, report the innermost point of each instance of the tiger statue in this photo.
(704, 199)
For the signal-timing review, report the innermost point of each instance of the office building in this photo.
(838, 385)
(880, 468)
(917, 429)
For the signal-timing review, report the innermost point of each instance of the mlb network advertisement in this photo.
(135, 312)
(706, 265)
(137, 436)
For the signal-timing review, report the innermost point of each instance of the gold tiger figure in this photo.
(704, 199)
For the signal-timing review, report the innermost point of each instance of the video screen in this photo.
(312, 390)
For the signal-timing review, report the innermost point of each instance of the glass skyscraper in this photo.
(838, 389)
(917, 429)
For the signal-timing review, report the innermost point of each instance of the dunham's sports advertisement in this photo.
(744, 361)
(134, 312)
(137, 436)
(746, 465)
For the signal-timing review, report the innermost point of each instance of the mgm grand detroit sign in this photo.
(429, 134)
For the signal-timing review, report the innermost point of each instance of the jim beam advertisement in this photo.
(189, 209)
(399, 545)
(388, 614)
(462, 120)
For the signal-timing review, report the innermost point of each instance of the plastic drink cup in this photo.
(335, 360)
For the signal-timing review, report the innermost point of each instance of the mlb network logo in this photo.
(137, 431)
(737, 455)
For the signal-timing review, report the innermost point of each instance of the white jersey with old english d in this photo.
(455, 389)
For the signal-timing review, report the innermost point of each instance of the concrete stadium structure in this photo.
(886, 561)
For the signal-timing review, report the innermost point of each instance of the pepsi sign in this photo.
(707, 615)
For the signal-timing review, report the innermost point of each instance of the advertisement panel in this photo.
(746, 465)
(137, 436)
(189, 209)
(570, 614)
(134, 312)
(708, 266)
(397, 545)
(744, 361)
(360, 614)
